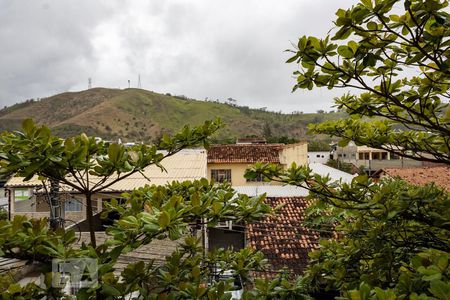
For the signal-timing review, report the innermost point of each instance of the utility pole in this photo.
(139, 82)
(89, 83)
(128, 83)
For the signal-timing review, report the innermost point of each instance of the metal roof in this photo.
(185, 165)
(335, 174)
(272, 190)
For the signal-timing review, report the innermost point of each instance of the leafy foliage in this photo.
(399, 62)
(388, 233)
(3, 213)
(391, 239)
(152, 212)
(86, 165)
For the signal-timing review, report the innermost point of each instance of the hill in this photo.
(140, 115)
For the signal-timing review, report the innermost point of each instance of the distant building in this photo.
(371, 158)
(229, 162)
(28, 197)
(318, 157)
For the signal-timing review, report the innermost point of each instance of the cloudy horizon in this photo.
(201, 49)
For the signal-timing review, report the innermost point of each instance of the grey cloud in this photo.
(215, 49)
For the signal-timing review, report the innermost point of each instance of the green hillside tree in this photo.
(84, 164)
(391, 239)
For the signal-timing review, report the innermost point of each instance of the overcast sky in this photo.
(202, 48)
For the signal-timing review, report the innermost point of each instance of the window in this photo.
(21, 194)
(318, 155)
(221, 175)
(73, 205)
(363, 155)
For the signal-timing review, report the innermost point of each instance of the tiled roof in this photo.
(283, 238)
(244, 153)
(420, 176)
(185, 165)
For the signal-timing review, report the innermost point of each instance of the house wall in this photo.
(3, 198)
(392, 163)
(297, 153)
(37, 207)
(321, 157)
(237, 174)
(372, 158)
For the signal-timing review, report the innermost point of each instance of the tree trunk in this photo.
(55, 205)
(90, 219)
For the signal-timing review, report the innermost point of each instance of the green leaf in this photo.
(109, 290)
(114, 152)
(372, 26)
(345, 51)
(217, 207)
(440, 289)
(28, 126)
(164, 219)
(343, 143)
(292, 59)
(353, 46)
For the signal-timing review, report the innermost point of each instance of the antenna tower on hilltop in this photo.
(139, 82)
(89, 83)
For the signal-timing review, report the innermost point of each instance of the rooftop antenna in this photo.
(89, 83)
(128, 83)
(139, 82)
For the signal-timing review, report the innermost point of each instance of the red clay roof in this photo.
(283, 238)
(244, 153)
(421, 176)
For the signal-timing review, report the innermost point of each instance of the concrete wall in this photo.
(237, 174)
(297, 153)
(37, 207)
(372, 158)
(393, 163)
(320, 157)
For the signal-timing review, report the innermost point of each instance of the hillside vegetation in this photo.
(140, 115)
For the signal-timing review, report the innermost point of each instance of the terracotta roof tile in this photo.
(282, 238)
(421, 176)
(244, 153)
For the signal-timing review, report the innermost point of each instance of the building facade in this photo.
(29, 198)
(371, 158)
(229, 162)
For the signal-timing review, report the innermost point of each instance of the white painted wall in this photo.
(318, 157)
